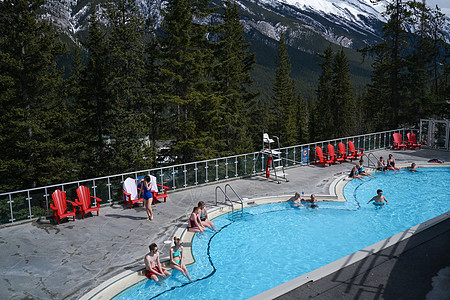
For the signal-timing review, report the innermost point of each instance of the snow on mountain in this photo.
(349, 23)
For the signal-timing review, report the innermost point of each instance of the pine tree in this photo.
(94, 103)
(283, 106)
(342, 98)
(185, 66)
(131, 124)
(302, 120)
(232, 76)
(33, 109)
(323, 127)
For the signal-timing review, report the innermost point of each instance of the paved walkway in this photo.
(44, 261)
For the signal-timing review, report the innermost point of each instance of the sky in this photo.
(444, 5)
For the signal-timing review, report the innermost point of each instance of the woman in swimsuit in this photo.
(146, 192)
(354, 173)
(176, 257)
(204, 216)
(195, 225)
(391, 163)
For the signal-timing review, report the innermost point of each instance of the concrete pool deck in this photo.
(44, 261)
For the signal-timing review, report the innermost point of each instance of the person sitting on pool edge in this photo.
(194, 223)
(361, 168)
(176, 257)
(381, 164)
(204, 216)
(153, 267)
(391, 164)
(354, 173)
(296, 201)
(378, 199)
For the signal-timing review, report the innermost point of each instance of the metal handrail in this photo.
(34, 202)
(226, 198)
(370, 161)
(241, 201)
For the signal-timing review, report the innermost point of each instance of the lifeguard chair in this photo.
(274, 163)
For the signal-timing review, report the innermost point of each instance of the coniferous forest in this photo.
(135, 95)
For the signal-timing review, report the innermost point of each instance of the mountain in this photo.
(309, 27)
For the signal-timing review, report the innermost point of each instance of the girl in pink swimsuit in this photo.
(195, 224)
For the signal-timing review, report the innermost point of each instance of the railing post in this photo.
(185, 176)
(206, 172)
(173, 179)
(29, 205)
(217, 170)
(196, 173)
(11, 209)
(109, 190)
(236, 167)
(94, 190)
(46, 200)
(245, 164)
(226, 168)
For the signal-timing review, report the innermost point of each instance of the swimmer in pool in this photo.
(413, 167)
(379, 199)
(296, 201)
(312, 203)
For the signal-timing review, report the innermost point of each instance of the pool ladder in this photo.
(371, 163)
(235, 213)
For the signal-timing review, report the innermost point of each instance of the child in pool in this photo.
(379, 199)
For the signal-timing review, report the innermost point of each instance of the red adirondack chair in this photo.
(354, 151)
(342, 152)
(333, 155)
(320, 159)
(130, 194)
(84, 201)
(160, 194)
(412, 142)
(398, 143)
(59, 206)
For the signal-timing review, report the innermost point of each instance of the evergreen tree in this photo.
(186, 54)
(33, 109)
(342, 98)
(131, 124)
(302, 120)
(392, 65)
(232, 76)
(283, 105)
(323, 126)
(94, 103)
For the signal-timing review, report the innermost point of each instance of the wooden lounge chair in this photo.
(84, 201)
(412, 141)
(320, 159)
(354, 151)
(59, 206)
(398, 142)
(130, 194)
(333, 155)
(342, 152)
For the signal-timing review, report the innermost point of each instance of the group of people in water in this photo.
(297, 201)
(198, 221)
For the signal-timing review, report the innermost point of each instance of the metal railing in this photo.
(32, 203)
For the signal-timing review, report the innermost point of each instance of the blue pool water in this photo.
(275, 243)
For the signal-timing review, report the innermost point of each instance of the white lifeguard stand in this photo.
(274, 161)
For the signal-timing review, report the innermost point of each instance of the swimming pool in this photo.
(275, 243)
